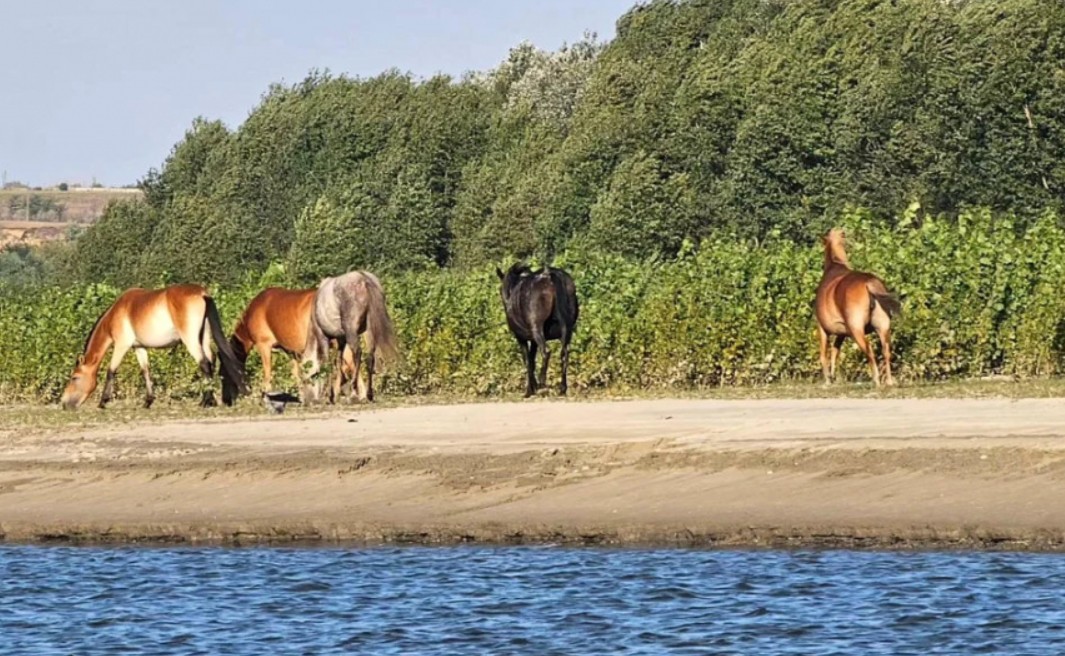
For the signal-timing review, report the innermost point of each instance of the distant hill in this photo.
(82, 205)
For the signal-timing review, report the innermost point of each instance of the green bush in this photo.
(979, 295)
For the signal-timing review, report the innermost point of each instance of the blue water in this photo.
(526, 600)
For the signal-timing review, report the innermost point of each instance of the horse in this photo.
(345, 307)
(280, 319)
(855, 304)
(540, 306)
(142, 319)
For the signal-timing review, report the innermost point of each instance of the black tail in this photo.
(889, 302)
(232, 370)
(230, 389)
(565, 300)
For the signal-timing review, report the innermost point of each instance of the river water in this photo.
(80, 600)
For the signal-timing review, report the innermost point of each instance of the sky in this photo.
(104, 89)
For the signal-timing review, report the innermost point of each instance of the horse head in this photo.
(511, 278)
(82, 384)
(835, 252)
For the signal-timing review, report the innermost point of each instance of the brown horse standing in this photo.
(142, 319)
(540, 306)
(852, 303)
(279, 319)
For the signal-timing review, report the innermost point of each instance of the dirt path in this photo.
(895, 473)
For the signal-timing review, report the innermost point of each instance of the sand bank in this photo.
(897, 473)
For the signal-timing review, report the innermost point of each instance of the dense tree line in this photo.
(759, 119)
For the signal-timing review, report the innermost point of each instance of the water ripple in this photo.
(59, 600)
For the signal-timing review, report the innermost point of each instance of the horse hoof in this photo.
(148, 402)
(208, 401)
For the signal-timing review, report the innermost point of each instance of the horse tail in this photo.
(230, 388)
(890, 303)
(380, 334)
(879, 295)
(565, 301)
(232, 368)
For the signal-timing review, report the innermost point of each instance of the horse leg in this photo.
(205, 348)
(867, 348)
(312, 386)
(297, 373)
(195, 347)
(541, 343)
(563, 388)
(119, 352)
(837, 344)
(371, 361)
(354, 339)
(337, 380)
(142, 360)
(881, 322)
(314, 353)
(358, 388)
(528, 350)
(266, 355)
(885, 346)
(823, 336)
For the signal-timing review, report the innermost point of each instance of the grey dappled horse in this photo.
(345, 307)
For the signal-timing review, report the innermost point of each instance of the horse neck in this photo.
(98, 343)
(835, 256)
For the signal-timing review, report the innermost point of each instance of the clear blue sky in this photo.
(105, 88)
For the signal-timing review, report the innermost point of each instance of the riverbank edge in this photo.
(356, 534)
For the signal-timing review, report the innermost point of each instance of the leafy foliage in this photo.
(682, 171)
(981, 295)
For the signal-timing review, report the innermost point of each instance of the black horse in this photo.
(540, 305)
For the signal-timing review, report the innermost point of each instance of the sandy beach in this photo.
(899, 473)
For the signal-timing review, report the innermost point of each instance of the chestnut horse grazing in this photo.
(855, 304)
(345, 307)
(279, 319)
(540, 306)
(142, 319)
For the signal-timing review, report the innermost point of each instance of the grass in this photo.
(27, 417)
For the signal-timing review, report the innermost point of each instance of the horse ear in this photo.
(81, 359)
(499, 273)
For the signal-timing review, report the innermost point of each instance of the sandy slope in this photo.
(979, 473)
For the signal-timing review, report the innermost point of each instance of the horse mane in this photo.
(834, 252)
(92, 332)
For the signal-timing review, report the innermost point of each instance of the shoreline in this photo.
(898, 474)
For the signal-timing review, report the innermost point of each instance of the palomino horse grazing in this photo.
(345, 307)
(540, 305)
(278, 319)
(142, 319)
(852, 303)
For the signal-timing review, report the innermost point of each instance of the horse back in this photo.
(548, 300)
(155, 317)
(279, 317)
